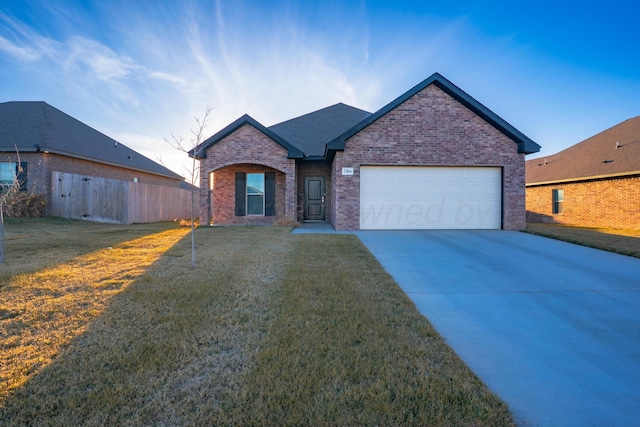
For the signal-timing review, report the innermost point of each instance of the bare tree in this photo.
(192, 146)
(5, 193)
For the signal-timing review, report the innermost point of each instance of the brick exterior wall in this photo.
(245, 150)
(41, 165)
(314, 168)
(611, 203)
(429, 129)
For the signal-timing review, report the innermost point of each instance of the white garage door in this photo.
(407, 197)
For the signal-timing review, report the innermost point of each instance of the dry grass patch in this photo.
(347, 347)
(170, 348)
(41, 312)
(269, 329)
(625, 242)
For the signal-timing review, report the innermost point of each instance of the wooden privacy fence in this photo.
(119, 202)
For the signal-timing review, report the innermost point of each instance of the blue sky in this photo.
(141, 70)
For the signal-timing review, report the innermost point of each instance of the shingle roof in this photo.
(37, 126)
(311, 132)
(613, 152)
(312, 135)
(525, 145)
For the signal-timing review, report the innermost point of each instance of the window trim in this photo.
(247, 194)
(240, 192)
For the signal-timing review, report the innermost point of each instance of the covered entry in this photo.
(418, 197)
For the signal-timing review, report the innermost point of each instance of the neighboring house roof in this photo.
(35, 126)
(525, 145)
(200, 152)
(613, 152)
(311, 132)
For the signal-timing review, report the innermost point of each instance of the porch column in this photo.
(291, 194)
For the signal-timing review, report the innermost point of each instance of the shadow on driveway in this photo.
(551, 327)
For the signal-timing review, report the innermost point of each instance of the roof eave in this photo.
(19, 149)
(45, 150)
(316, 157)
(585, 178)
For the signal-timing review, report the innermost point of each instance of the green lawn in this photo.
(268, 329)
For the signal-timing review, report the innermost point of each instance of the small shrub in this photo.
(20, 204)
(187, 222)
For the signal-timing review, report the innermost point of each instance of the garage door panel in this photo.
(430, 197)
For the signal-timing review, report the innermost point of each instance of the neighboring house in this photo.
(432, 158)
(50, 142)
(595, 183)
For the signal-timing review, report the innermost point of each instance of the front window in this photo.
(558, 201)
(255, 194)
(7, 173)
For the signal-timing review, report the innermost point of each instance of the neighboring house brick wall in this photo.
(314, 168)
(41, 165)
(611, 203)
(37, 181)
(58, 163)
(429, 129)
(247, 146)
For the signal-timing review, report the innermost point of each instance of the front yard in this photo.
(109, 325)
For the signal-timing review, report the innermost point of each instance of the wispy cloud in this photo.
(20, 53)
(176, 80)
(97, 60)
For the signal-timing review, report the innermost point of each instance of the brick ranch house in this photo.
(50, 141)
(595, 183)
(432, 158)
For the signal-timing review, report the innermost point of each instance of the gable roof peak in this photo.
(525, 144)
(200, 152)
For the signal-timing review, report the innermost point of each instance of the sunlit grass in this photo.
(625, 242)
(41, 312)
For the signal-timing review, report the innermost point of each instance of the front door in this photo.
(314, 198)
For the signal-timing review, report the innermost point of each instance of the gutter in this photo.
(586, 178)
(45, 150)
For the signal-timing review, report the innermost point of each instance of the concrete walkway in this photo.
(552, 328)
(317, 228)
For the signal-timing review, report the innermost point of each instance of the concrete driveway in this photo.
(552, 328)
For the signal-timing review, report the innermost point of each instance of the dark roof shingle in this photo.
(311, 132)
(613, 152)
(36, 125)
